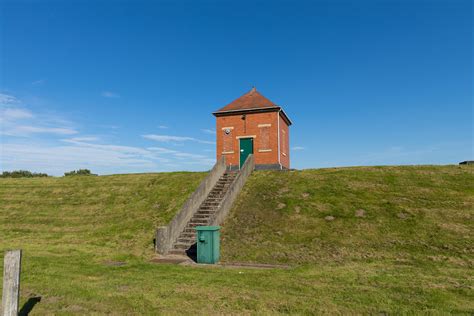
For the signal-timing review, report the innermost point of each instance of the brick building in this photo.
(252, 124)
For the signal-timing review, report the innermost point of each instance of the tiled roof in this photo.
(251, 100)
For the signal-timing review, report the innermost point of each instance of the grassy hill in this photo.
(354, 214)
(359, 240)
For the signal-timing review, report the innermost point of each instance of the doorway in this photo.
(246, 148)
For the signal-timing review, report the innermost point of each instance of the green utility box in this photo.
(208, 244)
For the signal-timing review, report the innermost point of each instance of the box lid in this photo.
(208, 227)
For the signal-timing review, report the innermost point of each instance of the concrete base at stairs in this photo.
(260, 167)
(172, 259)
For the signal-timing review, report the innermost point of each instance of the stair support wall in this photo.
(167, 235)
(233, 191)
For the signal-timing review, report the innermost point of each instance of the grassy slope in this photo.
(108, 214)
(412, 250)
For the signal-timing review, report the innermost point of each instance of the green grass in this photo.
(411, 252)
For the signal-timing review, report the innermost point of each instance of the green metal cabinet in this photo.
(208, 244)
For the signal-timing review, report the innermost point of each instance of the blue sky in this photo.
(129, 86)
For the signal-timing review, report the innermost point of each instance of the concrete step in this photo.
(218, 189)
(210, 203)
(221, 184)
(188, 241)
(212, 200)
(206, 212)
(213, 197)
(225, 180)
(180, 245)
(198, 220)
(192, 225)
(200, 223)
(187, 235)
(201, 216)
(182, 252)
(177, 252)
(207, 208)
(219, 195)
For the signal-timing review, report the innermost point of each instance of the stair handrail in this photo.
(233, 191)
(167, 235)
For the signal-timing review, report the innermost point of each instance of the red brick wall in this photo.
(284, 144)
(262, 127)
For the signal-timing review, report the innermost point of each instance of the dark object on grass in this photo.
(80, 172)
(467, 162)
(28, 306)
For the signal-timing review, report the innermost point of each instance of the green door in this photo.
(246, 148)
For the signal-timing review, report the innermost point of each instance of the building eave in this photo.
(255, 110)
(285, 117)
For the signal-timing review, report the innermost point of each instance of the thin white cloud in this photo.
(115, 148)
(109, 126)
(182, 155)
(84, 139)
(296, 148)
(24, 130)
(171, 138)
(162, 150)
(38, 82)
(10, 114)
(110, 94)
(6, 99)
(17, 120)
(72, 154)
(209, 131)
(167, 138)
(45, 142)
(56, 160)
(162, 127)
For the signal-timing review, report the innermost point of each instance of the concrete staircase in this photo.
(203, 216)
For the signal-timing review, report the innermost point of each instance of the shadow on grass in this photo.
(28, 306)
